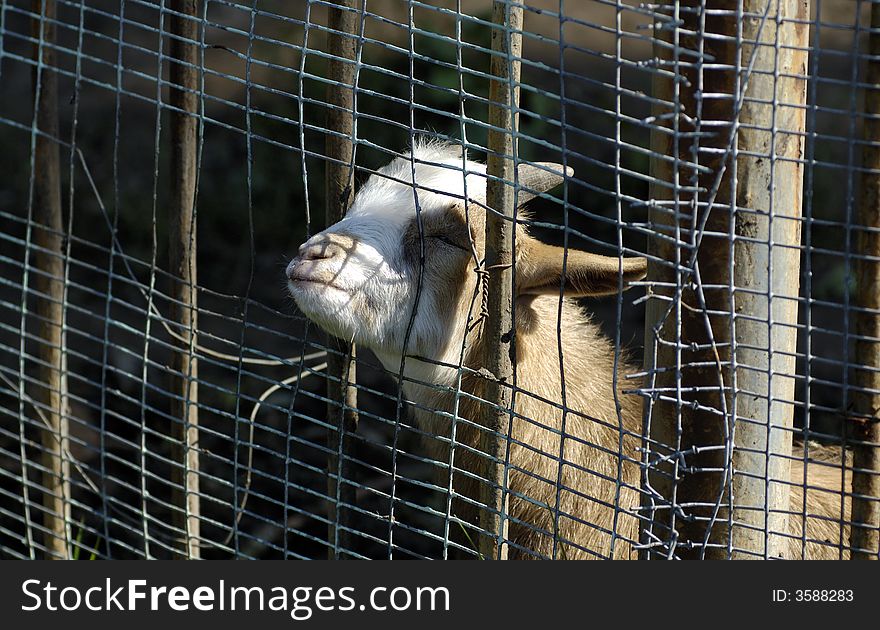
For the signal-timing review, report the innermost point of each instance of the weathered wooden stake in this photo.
(764, 184)
(498, 330)
(183, 53)
(865, 423)
(49, 276)
(341, 371)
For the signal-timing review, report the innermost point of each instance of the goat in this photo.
(359, 280)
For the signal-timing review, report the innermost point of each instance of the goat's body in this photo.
(600, 477)
(398, 277)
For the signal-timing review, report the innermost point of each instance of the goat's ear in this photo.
(538, 178)
(539, 271)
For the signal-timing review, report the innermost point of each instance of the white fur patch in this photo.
(389, 195)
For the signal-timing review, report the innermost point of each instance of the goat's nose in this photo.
(316, 252)
(323, 246)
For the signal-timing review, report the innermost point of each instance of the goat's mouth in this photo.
(297, 282)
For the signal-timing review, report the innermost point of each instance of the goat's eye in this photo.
(447, 241)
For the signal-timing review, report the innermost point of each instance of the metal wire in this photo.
(670, 447)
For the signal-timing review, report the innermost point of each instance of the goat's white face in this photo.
(359, 278)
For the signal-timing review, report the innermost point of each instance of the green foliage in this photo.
(78, 546)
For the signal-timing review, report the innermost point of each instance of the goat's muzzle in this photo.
(319, 259)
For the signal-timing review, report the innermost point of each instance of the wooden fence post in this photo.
(341, 361)
(183, 96)
(49, 276)
(865, 532)
(746, 251)
(498, 331)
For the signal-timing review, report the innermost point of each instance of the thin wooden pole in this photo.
(341, 371)
(183, 54)
(767, 263)
(761, 179)
(865, 423)
(49, 267)
(498, 330)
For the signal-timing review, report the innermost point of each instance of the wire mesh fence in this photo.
(592, 279)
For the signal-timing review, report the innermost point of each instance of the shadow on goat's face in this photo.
(360, 278)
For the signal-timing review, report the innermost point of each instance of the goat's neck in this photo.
(585, 367)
